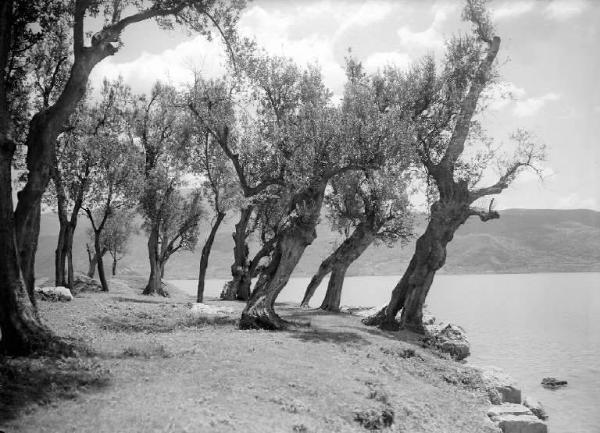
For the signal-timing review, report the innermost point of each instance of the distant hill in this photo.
(521, 241)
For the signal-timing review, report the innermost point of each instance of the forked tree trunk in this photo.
(114, 267)
(239, 285)
(430, 255)
(259, 312)
(333, 296)
(348, 251)
(154, 285)
(205, 255)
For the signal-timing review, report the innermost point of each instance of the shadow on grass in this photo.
(327, 336)
(26, 381)
(157, 324)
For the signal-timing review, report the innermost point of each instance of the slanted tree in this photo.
(221, 190)
(366, 207)
(22, 24)
(318, 141)
(444, 107)
(213, 103)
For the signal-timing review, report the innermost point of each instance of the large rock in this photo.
(203, 310)
(502, 384)
(83, 283)
(535, 407)
(55, 294)
(450, 339)
(522, 424)
(516, 418)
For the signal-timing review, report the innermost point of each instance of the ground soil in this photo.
(153, 367)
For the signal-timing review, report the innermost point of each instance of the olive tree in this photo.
(444, 105)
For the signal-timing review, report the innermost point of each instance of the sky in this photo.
(549, 62)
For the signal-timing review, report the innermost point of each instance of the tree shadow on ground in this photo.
(27, 381)
(328, 336)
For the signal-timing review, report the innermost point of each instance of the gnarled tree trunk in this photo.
(429, 256)
(22, 330)
(239, 285)
(100, 262)
(259, 312)
(205, 254)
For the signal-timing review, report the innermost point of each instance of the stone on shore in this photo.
(521, 424)
(55, 294)
(553, 383)
(500, 383)
(200, 310)
(535, 407)
(450, 339)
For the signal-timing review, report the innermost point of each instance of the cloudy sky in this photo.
(550, 65)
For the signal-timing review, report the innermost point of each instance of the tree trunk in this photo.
(154, 285)
(114, 267)
(92, 260)
(27, 242)
(344, 255)
(68, 254)
(59, 256)
(205, 254)
(333, 295)
(259, 312)
(430, 255)
(22, 331)
(239, 286)
(100, 262)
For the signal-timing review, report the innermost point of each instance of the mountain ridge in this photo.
(521, 241)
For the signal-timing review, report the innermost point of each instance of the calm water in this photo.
(531, 325)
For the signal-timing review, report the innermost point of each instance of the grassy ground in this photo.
(155, 368)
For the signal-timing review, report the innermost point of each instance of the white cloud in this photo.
(562, 10)
(430, 38)
(512, 9)
(378, 61)
(174, 66)
(530, 106)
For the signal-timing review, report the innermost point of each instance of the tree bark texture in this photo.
(92, 260)
(351, 249)
(430, 255)
(205, 255)
(333, 296)
(100, 262)
(154, 285)
(22, 331)
(259, 312)
(239, 285)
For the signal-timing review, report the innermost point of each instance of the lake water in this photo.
(530, 325)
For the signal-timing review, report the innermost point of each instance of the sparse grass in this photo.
(27, 381)
(173, 371)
